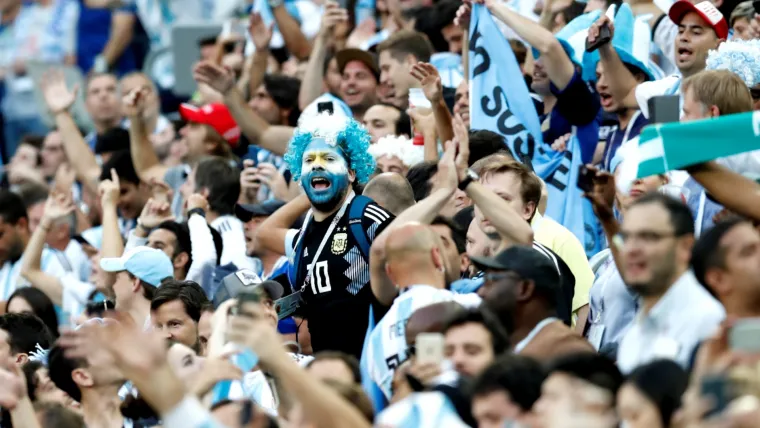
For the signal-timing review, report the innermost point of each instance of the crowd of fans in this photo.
(392, 213)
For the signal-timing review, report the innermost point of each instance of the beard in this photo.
(327, 200)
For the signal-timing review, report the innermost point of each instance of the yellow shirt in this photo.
(562, 241)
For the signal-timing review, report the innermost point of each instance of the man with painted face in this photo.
(328, 156)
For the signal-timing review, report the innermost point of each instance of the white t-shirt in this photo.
(233, 241)
(10, 278)
(387, 343)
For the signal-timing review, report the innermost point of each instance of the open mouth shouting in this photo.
(606, 99)
(320, 183)
(684, 54)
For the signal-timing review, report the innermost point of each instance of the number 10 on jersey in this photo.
(320, 281)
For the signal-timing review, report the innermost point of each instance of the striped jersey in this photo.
(387, 343)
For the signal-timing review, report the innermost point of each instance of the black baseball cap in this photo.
(245, 212)
(525, 261)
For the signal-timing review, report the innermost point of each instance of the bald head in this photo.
(431, 319)
(391, 191)
(410, 240)
(413, 256)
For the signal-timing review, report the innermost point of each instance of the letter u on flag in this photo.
(673, 146)
(500, 102)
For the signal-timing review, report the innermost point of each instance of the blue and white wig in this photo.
(346, 134)
(739, 57)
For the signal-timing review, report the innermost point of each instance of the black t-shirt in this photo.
(338, 297)
(567, 283)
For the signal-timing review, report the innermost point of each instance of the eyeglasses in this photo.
(646, 236)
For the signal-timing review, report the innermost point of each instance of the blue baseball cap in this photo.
(148, 264)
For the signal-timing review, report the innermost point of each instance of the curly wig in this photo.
(347, 134)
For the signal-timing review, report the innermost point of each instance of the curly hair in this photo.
(347, 134)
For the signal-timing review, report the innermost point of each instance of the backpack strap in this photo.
(355, 214)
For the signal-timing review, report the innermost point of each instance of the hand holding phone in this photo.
(601, 32)
(429, 348)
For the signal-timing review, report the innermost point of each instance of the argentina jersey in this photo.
(10, 273)
(387, 347)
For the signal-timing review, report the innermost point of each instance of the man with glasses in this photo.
(522, 286)
(675, 311)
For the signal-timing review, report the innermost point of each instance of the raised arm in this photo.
(622, 83)
(734, 191)
(57, 207)
(272, 232)
(122, 31)
(261, 34)
(423, 212)
(312, 85)
(59, 99)
(269, 137)
(503, 217)
(144, 157)
(295, 41)
(113, 243)
(323, 404)
(559, 67)
(430, 80)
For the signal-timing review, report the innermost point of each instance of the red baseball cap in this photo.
(216, 116)
(706, 10)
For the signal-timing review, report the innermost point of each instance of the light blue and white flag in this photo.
(500, 102)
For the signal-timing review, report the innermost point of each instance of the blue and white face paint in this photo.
(324, 175)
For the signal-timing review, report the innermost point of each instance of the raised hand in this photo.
(462, 139)
(430, 81)
(133, 104)
(109, 190)
(215, 370)
(260, 33)
(603, 195)
(447, 177)
(593, 31)
(463, 16)
(269, 176)
(58, 97)
(249, 182)
(362, 33)
(255, 331)
(332, 16)
(160, 191)
(215, 76)
(154, 213)
(58, 206)
(65, 176)
(196, 200)
(422, 119)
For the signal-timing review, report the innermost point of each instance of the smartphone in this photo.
(605, 36)
(326, 107)
(586, 179)
(745, 335)
(429, 348)
(756, 5)
(664, 109)
(249, 163)
(286, 306)
(720, 390)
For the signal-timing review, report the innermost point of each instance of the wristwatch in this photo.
(471, 176)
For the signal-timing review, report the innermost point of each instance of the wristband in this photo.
(200, 211)
(100, 65)
(471, 176)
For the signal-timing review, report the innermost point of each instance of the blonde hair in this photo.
(720, 88)
(530, 184)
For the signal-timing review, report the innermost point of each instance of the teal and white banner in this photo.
(672, 146)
